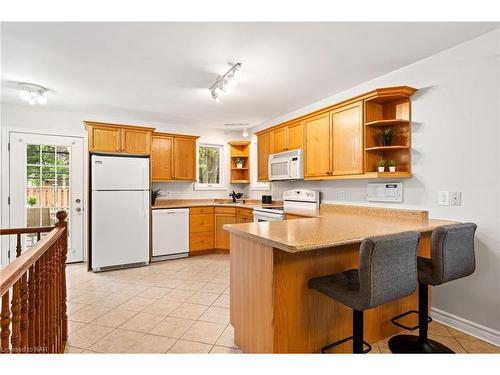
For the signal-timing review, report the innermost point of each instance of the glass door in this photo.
(46, 176)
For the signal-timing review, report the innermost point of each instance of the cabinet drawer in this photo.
(201, 223)
(245, 212)
(225, 210)
(201, 241)
(201, 210)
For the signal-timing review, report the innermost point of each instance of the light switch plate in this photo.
(455, 198)
(444, 198)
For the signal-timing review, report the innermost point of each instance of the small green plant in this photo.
(31, 201)
(239, 161)
(392, 163)
(156, 193)
(386, 137)
(381, 163)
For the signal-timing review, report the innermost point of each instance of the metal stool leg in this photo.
(357, 336)
(408, 344)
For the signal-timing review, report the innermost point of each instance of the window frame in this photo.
(222, 184)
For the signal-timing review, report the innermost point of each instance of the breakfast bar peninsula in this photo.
(272, 309)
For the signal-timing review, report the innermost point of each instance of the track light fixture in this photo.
(224, 83)
(244, 133)
(33, 94)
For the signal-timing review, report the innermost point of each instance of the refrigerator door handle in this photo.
(143, 209)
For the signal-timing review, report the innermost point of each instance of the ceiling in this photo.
(161, 71)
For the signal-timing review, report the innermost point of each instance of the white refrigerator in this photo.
(119, 226)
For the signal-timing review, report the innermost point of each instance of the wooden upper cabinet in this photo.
(295, 136)
(184, 156)
(136, 141)
(278, 137)
(347, 139)
(263, 151)
(317, 146)
(104, 138)
(114, 138)
(161, 157)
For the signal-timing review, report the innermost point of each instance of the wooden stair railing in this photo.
(33, 317)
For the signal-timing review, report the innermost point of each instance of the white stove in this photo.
(300, 199)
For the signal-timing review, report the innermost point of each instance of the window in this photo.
(210, 167)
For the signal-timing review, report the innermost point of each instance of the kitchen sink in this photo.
(230, 203)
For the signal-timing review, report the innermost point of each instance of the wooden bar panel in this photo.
(5, 324)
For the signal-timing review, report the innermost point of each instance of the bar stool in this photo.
(452, 257)
(387, 271)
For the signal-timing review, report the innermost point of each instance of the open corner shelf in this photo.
(390, 122)
(386, 148)
(239, 149)
(388, 174)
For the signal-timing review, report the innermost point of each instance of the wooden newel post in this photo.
(62, 223)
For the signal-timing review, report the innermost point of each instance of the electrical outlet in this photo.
(342, 195)
(455, 198)
(444, 198)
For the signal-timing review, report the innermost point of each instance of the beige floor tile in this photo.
(183, 275)
(118, 341)
(178, 295)
(189, 347)
(74, 292)
(189, 311)
(88, 314)
(214, 287)
(137, 303)
(375, 349)
(87, 335)
(90, 298)
(155, 292)
(162, 307)
(73, 307)
(113, 300)
(216, 315)
(224, 350)
(203, 298)
(172, 327)
(72, 350)
(73, 326)
(438, 329)
(226, 292)
(227, 338)
(191, 285)
(474, 345)
(114, 318)
(133, 289)
(142, 322)
(205, 332)
(448, 341)
(152, 344)
(222, 301)
(170, 283)
(153, 279)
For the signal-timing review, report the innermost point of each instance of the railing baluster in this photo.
(31, 308)
(45, 303)
(38, 310)
(16, 317)
(24, 312)
(64, 316)
(5, 323)
(18, 245)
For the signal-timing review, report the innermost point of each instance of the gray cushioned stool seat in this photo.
(387, 271)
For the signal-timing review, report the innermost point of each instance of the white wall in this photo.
(455, 137)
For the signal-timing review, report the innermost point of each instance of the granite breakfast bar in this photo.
(271, 308)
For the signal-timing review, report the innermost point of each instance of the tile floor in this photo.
(177, 306)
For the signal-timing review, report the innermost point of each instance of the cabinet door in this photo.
(279, 140)
(347, 140)
(184, 159)
(136, 141)
(317, 146)
(105, 139)
(222, 236)
(161, 158)
(263, 150)
(295, 136)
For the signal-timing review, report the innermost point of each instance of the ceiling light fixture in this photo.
(225, 82)
(32, 93)
(244, 133)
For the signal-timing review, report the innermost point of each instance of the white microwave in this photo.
(288, 165)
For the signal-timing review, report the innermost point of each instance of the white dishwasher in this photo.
(170, 233)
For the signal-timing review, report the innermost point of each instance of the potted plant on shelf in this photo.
(155, 193)
(392, 165)
(239, 162)
(386, 137)
(381, 166)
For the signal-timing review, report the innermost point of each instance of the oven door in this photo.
(259, 217)
(279, 169)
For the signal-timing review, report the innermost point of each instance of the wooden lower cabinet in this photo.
(201, 228)
(243, 215)
(223, 215)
